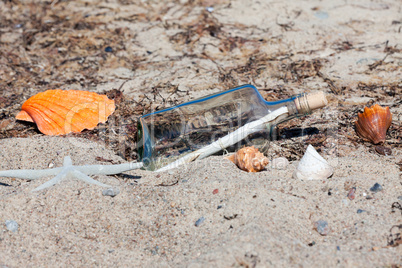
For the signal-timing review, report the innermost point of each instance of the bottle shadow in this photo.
(288, 133)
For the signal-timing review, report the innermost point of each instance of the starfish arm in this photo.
(108, 169)
(81, 176)
(67, 161)
(80, 172)
(64, 172)
(30, 174)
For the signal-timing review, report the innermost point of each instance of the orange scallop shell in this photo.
(249, 159)
(373, 123)
(58, 112)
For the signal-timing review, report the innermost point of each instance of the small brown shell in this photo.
(249, 159)
(373, 123)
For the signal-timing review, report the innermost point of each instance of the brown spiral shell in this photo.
(373, 123)
(249, 159)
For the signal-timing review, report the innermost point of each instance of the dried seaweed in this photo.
(395, 238)
(47, 45)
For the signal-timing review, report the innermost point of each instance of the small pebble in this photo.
(322, 227)
(321, 15)
(383, 150)
(367, 61)
(199, 221)
(360, 211)
(12, 226)
(400, 197)
(219, 207)
(338, 248)
(345, 202)
(111, 192)
(351, 194)
(108, 49)
(329, 191)
(215, 191)
(376, 188)
(280, 163)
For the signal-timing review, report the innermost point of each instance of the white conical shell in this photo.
(312, 166)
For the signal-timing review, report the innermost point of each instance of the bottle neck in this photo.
(299, 106)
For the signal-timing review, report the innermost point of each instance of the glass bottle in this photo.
(166, 135)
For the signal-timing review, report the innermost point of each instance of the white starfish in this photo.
(68, 171)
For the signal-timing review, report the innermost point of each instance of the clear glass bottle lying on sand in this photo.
(198, 128)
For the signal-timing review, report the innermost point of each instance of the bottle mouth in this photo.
(306, 103)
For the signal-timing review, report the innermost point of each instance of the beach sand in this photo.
(208, 213)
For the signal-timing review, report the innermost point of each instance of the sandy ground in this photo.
(263, 219)
(169, 52)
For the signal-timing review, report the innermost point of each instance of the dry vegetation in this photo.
(54, 44)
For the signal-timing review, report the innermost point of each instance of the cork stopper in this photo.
(307, 103)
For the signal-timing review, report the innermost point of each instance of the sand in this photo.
(263, 219)
(208, 213)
